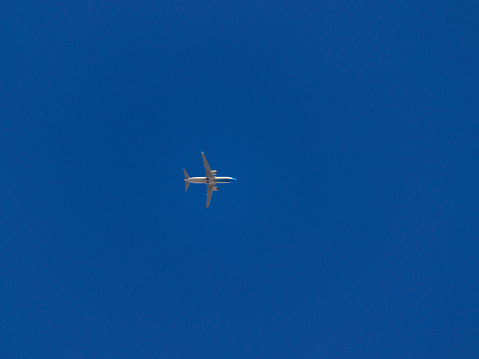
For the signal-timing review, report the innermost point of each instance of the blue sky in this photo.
(351, 230)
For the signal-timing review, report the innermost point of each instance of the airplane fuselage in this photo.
(208, 180)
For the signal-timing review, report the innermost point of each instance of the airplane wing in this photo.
(207, 169)
(208, 195)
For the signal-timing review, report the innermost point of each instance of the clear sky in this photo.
(351, 128)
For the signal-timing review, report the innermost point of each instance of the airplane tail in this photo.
(186, 177)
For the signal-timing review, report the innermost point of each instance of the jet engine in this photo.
(214, 172)
(216, 188)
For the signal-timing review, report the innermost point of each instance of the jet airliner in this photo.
(210, 180)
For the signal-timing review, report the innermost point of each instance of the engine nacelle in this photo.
(216, 188)
(214, 172)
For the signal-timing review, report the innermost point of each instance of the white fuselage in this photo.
(208, 180)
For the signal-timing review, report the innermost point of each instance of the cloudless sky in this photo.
(351, 128)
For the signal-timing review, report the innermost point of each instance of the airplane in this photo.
(210, 180)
